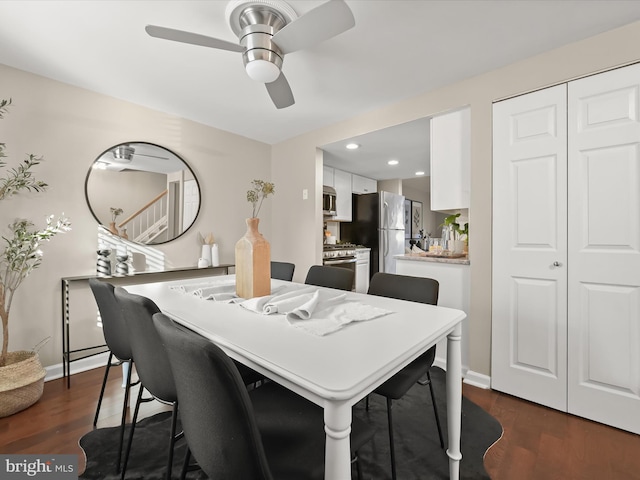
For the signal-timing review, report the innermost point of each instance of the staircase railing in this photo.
(148, 222)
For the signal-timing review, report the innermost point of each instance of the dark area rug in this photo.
(418, 452)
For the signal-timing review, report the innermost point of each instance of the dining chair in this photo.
(413, 289)
(265, 433)
(282, 270)
(332, 277)
(152, 365)
(116, 337)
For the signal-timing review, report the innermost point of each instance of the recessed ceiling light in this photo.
(420, 173)
(393, 162)
(352, 146)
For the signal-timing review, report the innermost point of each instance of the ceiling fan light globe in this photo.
(262, 71)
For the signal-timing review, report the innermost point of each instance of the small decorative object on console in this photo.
(103, 264)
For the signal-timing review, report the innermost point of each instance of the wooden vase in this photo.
(113, 229)
(253, 263)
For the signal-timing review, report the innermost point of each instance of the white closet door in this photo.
(604, 248)
(529, 309)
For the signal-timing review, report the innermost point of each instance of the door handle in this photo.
(557, 264)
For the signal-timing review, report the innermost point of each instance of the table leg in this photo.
(337, 426)
(454, 400)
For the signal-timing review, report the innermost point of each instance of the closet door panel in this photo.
(529, 235)
(604, 248)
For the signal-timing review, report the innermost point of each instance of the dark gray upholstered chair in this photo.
(117, 339)
(332, 277)
(152, 364)
(413, 289)
(234, 433)
(282, 270)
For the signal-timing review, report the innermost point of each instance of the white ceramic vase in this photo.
(206, 254)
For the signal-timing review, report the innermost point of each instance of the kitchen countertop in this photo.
(443, 259)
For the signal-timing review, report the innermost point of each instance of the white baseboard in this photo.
(469, 376)
(442, 363)
(476, 379)
(89, 363)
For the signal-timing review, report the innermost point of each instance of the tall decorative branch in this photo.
(21, 254)
(258, 193)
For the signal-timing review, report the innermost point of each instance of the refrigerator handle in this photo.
(385, 249)
(385, 234)
(385, 216)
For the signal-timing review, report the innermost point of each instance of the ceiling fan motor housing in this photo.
(258, 22)
(123, 153)
(259, 49)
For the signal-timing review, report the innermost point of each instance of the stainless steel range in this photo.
(342, 255)
(336, 254)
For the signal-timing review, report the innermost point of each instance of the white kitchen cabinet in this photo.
(361, 185)
(362, 269)
(454, 292)
(328, 176)
(451, 160)
(342, 184)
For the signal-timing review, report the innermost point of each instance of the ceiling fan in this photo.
(124, 154)
(267, 30)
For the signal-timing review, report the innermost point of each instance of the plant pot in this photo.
(253, 263)
(21, 382)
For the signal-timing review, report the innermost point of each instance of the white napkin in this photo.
(219, 290)
(285, 299)
(320, 300)
(218, 293)
(416, 249)
(333, 316)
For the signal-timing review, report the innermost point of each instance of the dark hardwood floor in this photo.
(538, 443)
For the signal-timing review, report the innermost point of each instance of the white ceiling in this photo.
(398, 49)
(408, 143)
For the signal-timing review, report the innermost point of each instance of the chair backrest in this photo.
(215, 409)
(282, 270)
(152, 362)
(404, 287)
(412, 289)
(332, 277)
(114, 327)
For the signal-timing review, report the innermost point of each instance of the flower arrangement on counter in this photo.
(258, 193)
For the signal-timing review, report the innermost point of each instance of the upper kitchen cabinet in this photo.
(450, 160)
(346, 183)
(361, 185)
(342, 184)
(328, 177)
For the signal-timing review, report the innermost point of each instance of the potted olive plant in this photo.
(21, 374)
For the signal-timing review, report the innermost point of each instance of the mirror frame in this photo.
(91, 168)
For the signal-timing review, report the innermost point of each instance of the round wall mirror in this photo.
(142, 192)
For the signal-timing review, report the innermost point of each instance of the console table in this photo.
(68, 355)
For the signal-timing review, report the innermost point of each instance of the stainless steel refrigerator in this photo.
(378, 223)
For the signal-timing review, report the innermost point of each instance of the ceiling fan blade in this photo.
(192, 38)
(280, 92)
(323, 22)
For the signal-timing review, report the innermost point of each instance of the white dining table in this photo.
(334, 371)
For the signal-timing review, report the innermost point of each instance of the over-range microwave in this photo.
(328, 201)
